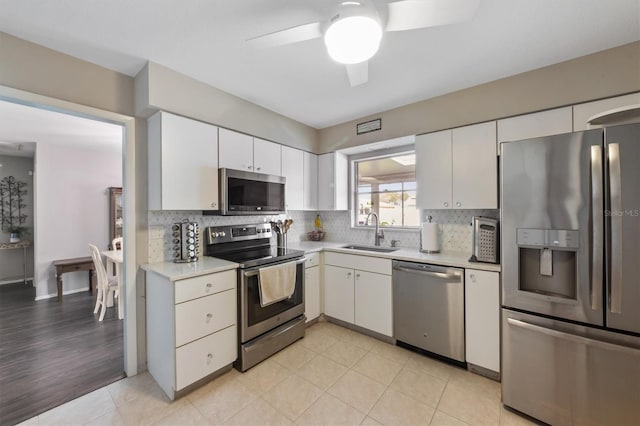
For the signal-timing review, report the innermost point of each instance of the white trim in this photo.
(64, 293)
(14, 280)
(129, 182)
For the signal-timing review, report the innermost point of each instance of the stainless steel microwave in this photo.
(248, 193)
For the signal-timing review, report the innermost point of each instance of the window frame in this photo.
(353, 182)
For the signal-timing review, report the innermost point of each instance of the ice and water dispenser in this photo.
(547, 259)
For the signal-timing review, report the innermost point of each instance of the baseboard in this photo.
(52, 295)
(14, 280)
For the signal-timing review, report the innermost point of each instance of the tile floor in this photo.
(334, 376)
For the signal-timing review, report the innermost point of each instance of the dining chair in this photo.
(116, 244)
(106, 285)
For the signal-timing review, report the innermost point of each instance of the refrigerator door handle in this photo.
(573, 337)
(615, 216)
(597, 207)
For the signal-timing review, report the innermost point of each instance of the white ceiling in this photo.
(205, 39)
(22, 127)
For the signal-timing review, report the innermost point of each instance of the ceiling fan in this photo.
(353, 34)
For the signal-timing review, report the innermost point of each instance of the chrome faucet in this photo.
(379, 234)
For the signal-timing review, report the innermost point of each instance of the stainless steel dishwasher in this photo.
(428, 308)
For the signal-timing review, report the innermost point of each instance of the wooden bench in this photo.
(73, 265)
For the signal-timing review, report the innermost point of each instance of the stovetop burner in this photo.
(247, 245)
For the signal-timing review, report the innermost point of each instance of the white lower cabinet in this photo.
(312, 287)
(339, 293)
(360, 295)
(205, 356)
(482, 318)
(191, 328)
(373, 296)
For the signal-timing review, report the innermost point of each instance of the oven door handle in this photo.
(254, 271)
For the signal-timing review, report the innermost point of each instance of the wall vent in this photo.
(369, 126)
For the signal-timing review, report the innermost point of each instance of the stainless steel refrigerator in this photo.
(571, 276)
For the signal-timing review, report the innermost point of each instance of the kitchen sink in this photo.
(371, 248)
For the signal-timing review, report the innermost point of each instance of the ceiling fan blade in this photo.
(358, 73)
(413, 14)
(288, 36)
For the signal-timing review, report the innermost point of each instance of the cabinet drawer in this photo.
(363, 263)
(202, 357)
(204, 285)
(203, 316)
(313, 259)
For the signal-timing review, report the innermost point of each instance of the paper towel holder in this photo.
(422, 250)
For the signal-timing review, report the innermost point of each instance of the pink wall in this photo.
(72, 203)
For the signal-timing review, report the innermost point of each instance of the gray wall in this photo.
(160, 88)
(37, 69)
(20, 168)
(600, 75)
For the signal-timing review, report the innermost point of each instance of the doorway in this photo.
(58, 351)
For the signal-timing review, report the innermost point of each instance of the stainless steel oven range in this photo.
(263, 329)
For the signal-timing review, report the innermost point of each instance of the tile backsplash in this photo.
(160, 227)
(455, 228)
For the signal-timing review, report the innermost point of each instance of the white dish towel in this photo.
(276, 283)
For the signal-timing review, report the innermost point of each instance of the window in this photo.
(386, 186)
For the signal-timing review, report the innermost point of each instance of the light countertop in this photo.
(455, 259)
(208, 265)
(178, 271)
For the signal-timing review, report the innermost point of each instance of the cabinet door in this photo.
(183, 163)
(293, 171)
(434, 171)
(475, 167)
(341, 179)
(236, 150)
(326, 183)
(312, 293)
(310, 181)
(482, 318)
(373, 297)
(536, 125)
(338, 293)
(266, 157)
(333, 182)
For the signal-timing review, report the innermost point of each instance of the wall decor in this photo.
(12, 206)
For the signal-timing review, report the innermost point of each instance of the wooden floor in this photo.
(51, 352)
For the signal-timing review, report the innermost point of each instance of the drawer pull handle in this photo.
(358, 276)
(209, 316)
(209, 357)
(209, 285)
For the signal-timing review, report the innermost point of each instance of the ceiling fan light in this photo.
(353, 39)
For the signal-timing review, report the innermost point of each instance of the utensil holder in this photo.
(282, 240)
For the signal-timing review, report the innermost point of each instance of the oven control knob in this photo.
(222, 234)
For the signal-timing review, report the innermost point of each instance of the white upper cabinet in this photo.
(243, 152)
(539, 124)
(267, 157)
(310, 181)
(458, 169)
(236, 150)
(434, 170)
(183, 163)
(333, 182)
(293, 171)
(582, 113)
(475, 167)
